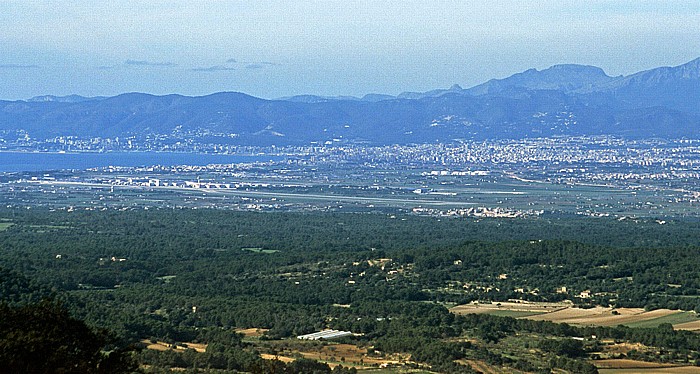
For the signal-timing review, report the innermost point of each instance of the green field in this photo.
(45, 228)
(259, 250)
(513, 313)
(167, 278)
(680, 317)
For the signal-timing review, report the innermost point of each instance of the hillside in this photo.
(560, 100)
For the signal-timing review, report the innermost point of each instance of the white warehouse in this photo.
(325, 335)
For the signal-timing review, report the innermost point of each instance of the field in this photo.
(284, 359)
(601, 316)
(252, 332)
(598, 316)
(400, 370)
(512, 309)
(486, 368)
(623, 366)
(331, 353)
(163, 346)
(678, 320)
(691, 326)
(259, 250)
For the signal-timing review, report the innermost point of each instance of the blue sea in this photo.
(29, 161)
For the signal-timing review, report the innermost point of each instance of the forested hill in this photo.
(197, 276)
(561, 100)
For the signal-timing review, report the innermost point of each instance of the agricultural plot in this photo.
(333, 354)
(679, 320)
(624, 366)
(284, 359)
(401, 370)
(252, 332)
(598, 316)
(348, 355)
(180, 347)
(512, 309)
(485, 368)
(601, 316)
(690, 326)
(260, 250)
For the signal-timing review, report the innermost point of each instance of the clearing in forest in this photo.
(691, 326)
(600, 316)
(253, 332)
(485, 368)
(259, 250)
(597, 316)
(163, 346)
(624, 366)
(348, 355)
(508, 307)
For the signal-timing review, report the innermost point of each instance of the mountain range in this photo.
(561, 100)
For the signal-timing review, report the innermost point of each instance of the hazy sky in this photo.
(273, 48)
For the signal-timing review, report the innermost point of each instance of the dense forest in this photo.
(196, 275)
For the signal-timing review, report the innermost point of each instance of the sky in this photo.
(276, 48)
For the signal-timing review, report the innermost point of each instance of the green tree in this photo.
(44, 338)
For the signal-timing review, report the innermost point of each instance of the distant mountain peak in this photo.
(569, 72)
(63, 99)
(695, 63)
(690, 70)
(455, 88)
(562, 77)
(676, 87)
(577, 68)
(565, 99)
(666, 75)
